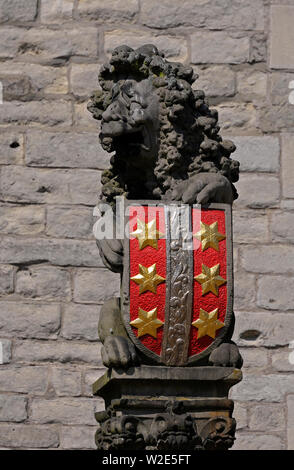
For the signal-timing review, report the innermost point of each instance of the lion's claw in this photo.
(118, 352)
(204, 188)
(226, 355)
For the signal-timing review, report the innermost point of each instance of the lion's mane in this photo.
(189, 140)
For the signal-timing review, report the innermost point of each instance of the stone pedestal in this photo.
(166, 408)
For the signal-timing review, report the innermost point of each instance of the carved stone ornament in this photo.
(138, 421)
(175, 176)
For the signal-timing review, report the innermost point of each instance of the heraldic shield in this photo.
(177, 286)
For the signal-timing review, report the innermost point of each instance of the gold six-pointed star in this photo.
(207, 323)
(147, 278)
(209, 236)
(210, 279)
(147, 234)
(147, 322)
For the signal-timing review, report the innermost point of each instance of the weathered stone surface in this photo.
(16, 11)
(254, 359)
(215, 80)
(46, 45)
(287, 204)
(24, 380)
(21, 184)
(282, 37)
(210, 14)
(72, 150)
(256, 153)
(236, 257)
(255, 232)
(44, 282)
(15, 87)
(283, 360)
(252, 84)
(11, 148)
(84, 79)
(65, 410)
(10, 39)
(237, 118)
(55, 251)
(281, 87)
(80, 321)
(5, 351)
(258, 48)
(29, 320)
(240, 415)
(107, 285)
(267, 418)
(13, 408)
(244, 290)
(275, 292)
(287, 164)
(48, 113)
(276, 118)
(66, 381)
(268, 259)
(6, 279)
(174, 48)
(257, 329)
(22, 220)
(78, 437)
(24, 82)
(252, 441)
(258, 191)
(90, 376)
(59, 351)
(269, 388)
(83, 119)
(218, 47)
(55, 11)
(70, 222)
(290, 422)
(27, 436)
(104, 10)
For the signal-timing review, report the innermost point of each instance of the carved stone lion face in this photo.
(161, 129)
(131, 122)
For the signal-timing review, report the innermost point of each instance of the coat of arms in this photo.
(177, 280)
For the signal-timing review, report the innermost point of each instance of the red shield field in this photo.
(177, 280)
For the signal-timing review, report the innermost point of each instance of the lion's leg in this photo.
(227, 354)
(118, 351)
(110, 321)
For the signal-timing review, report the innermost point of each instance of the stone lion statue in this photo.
(166, 146)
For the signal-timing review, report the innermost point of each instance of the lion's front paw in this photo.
(118, 352)
(204, 188)
(226, 355)
(111, 252)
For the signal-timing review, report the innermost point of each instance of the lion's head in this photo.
(161, 130)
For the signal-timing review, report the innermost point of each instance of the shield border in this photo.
(125, 283)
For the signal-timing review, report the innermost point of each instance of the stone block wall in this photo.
(52, 282)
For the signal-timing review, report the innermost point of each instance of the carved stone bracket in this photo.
(147, 418)
(165, 432)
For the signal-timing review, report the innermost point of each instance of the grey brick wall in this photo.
(52, 282)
